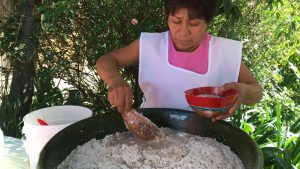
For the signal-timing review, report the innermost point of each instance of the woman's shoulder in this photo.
(222, 39)
(154, 34)
(216, 40)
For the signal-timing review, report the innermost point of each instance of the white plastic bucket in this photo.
(57, 117)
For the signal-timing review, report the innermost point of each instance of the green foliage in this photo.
(277, 135)
(87, 30)
(74, 33)
(270, 32)
(10, 120)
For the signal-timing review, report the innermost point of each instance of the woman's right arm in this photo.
(119, 91)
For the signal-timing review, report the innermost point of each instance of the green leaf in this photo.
(235, 14)
(43, 8)
(296, 159)
(227, 4)
(295, 128)
(287, 157)
(288, 141)
(267, 110)
(270, 2)
(269, 154)
(281, 162)
(247, 127)
(237, 11)
(278, 123)
(265, 134)
(296, 151)
(295, 69)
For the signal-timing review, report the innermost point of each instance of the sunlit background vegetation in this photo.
(48, 52)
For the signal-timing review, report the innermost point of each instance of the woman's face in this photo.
(187, 33)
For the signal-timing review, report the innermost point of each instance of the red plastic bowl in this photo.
(210, 100)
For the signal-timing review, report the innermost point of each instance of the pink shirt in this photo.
(196, 61)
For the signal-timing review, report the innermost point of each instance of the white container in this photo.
(57, 117)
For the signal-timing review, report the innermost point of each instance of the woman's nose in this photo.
(184, 30)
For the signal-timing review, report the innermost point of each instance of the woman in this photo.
(184, 57)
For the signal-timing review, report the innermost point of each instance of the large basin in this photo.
(61, 145)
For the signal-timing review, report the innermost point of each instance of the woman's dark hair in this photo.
(202, 9)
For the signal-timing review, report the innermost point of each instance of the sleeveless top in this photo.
(196, 61)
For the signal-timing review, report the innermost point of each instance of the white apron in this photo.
(163, 84)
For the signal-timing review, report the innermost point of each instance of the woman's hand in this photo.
(241, 89)
(120, 95)
(249, 92)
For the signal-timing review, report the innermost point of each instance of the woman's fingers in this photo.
(228, 86)
(120, 96)
(227, 114)
(128, 101)
(124, 100)
(120, 102)
(237, 103)
(235, 106)
(112, 96)
(110, 99)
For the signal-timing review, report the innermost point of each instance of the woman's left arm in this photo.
(252, 90)
(248, 88)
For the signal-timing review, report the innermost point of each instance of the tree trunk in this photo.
(21, 89)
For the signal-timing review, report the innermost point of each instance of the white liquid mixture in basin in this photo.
(174, 150)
